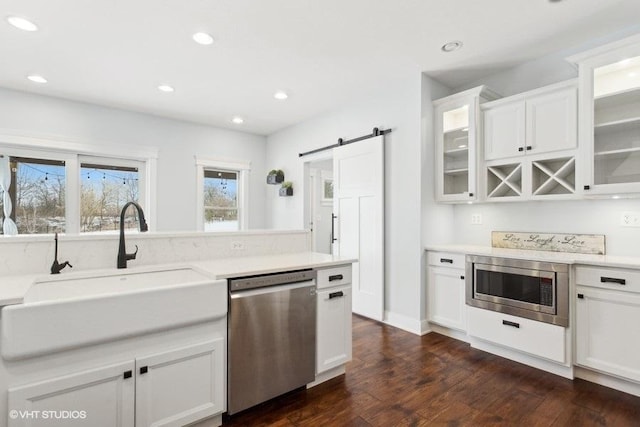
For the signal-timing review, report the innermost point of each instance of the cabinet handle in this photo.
(127, 374)
(587, 187)
(336, 277)
(461, 277)
(613, 280)
(580, 296)
(520, 149)
(447, 260)
(144, 370)
(470, 194)
(529, 147)
(508, 323)
(333, 228)
(338, 294)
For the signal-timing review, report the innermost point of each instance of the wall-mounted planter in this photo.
(275, 177)
(288, 191)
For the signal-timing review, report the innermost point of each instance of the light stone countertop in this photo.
(13, 288)
(546, 256)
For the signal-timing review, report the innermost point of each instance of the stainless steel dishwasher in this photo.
(271, 336)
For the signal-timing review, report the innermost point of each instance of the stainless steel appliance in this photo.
(271, 336)
(531, 289)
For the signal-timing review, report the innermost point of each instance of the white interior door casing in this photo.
(359, 206)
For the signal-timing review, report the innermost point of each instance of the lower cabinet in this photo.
(608, 331)
(525, 335)
(446, 298)
(334, 328)
(171, 388)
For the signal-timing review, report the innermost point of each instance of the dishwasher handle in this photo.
(271, 289)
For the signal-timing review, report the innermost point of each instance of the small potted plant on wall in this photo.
(286, 189)
(275, 176)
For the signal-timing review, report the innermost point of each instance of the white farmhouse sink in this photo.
(63, 313)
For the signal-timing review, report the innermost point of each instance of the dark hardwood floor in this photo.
(400, 379)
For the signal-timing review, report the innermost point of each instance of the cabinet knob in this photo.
(470, 194)
(127, 374)
(580, 296)
(529, 147)
(587, 187)
(520, 149)
(144, 370)
(461, 277)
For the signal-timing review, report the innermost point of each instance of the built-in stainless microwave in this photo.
(531, 289)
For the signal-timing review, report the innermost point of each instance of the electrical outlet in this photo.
(237, 246)
(630, 219)
(476, 219)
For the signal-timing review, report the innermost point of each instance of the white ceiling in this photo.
(323, 52)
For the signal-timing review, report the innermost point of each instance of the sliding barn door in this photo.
(358, 172)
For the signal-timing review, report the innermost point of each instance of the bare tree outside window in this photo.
(221, 200)
(38, 194)
(104, 190)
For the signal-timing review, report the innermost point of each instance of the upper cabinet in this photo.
(540, 121)
(530, 144)
(610, 117)
(456, 140)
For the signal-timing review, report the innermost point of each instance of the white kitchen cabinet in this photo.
(446, 290)
(102, 397)
(536, 122)
(525, 335)
(607, 326)
(456, 139)
(333, 334)
(171, 388)
(334, 328)
(609, 86)
(180, 386)
(530, 145)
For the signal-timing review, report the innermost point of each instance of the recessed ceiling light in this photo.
(280, 95)
(165, 88)
(203, 38)
(237, 120)
(36, 78)
(22, 23)
(451, 46)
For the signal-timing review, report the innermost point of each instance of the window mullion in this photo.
(72, 202)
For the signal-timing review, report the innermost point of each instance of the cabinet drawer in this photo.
(335, 276)
(446, 259)
(536, 338)
(609, 278)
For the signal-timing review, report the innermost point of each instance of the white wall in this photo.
(585, 216)
(177, 141)
(395, 106)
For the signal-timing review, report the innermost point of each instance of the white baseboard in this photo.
(409, 324)
(452, 333)
(554, 368)
(608, 381)
(327, 375)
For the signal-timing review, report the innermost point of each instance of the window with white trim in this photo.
(63, 191)
(222, 195)
(105, 186)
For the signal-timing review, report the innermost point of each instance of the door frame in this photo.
(308, 190)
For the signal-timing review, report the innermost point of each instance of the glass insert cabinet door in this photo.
(616, 122)
(456, 135)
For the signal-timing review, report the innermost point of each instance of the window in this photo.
(69, 187)
(37, 193)
(104, 190)
(222, 195)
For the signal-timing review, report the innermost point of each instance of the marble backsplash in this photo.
(34, 254)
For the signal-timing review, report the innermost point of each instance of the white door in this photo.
(102, 397)
(358, 203)
(180, 386)
(445, 294)
(552, 121)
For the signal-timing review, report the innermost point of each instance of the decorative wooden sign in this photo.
(553, 242)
